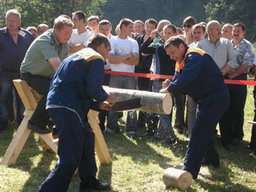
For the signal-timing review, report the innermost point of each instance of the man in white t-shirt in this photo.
(123, 57)
(80, 34)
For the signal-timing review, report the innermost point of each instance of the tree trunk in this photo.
(150, 102)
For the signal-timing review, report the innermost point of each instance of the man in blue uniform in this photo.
(198, 76)
(75, 88)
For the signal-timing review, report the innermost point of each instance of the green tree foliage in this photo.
(34, 12)
(233, 11)
(175, 11)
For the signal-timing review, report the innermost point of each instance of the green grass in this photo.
(137, 165)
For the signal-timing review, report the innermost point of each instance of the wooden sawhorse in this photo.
(30, 99)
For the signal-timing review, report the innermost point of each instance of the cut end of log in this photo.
(167, 104)
(177, 178)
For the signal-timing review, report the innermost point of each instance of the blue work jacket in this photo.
(77, 84)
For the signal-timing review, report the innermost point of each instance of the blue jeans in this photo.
(127, 82)
(165, 128)
(6, 91)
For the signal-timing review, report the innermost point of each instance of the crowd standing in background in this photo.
(36, 53)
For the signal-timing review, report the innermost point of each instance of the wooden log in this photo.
(150, 102)
(177, 178)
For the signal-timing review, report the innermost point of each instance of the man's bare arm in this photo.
(116, 59)
(133, 61)
(55, 62)
(239, 71)
(226, 69)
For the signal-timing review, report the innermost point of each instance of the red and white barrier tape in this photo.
(147, 75)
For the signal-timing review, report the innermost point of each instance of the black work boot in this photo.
(93, 184)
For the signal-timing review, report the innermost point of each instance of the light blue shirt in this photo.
(222, 52)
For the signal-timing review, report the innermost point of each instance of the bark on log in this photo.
(177, 178)
(150, 102)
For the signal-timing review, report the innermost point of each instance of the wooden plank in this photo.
(100, 144)
(49, 143)
(25, 94)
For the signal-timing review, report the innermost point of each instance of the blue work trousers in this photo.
(75, 150)
(208, 115)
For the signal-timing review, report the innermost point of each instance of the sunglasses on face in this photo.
(188, 26)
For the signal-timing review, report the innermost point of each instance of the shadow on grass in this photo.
(140, 150)
(30, 148)
(226, 186)
(105, 172)
(224, 174)
(39, 173)
(6, 136)
(240, 157)
(25, 160)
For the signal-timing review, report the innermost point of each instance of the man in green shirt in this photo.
(40, 63)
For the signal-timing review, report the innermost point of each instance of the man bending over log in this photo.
(75, 88)
(198, 76)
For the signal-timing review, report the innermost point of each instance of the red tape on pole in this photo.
(147, 75)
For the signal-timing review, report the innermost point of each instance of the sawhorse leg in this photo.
(19, 140)
(100, 144)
